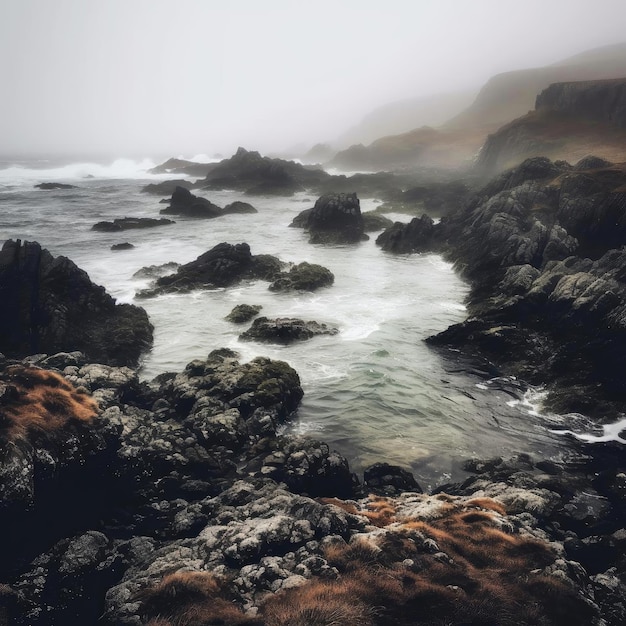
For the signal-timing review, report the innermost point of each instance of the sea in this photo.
(376, 392)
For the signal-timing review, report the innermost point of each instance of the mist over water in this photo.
(375, 392)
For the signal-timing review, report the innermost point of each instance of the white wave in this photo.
(118, 169)
(201, 158)
(610, 432)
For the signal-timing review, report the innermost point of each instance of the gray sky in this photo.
(156, 77)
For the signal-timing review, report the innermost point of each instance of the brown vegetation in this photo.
(33, 399)
(380, 511)
(461, 568)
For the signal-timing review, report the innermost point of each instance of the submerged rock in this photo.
(55, 186)
(128, 223)
(285, 330)
(122, 246)
(50, 305)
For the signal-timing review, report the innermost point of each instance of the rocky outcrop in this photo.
(130, 223)
(182, 167)
(183, 202)
(416, 236)
(335, 218)
(285, 330)
(48, 186)
(167, 187)
(243, 313)
(543, 248)
(224, 265)
(599, 100)
(303, 277)
(254, 174)
(50, 305)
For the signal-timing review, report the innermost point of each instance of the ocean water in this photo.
(375, 392)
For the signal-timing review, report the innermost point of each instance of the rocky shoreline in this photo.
(180, 500)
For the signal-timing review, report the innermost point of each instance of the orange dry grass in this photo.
(485, 579)
(191, 599)
(381, 511)
(39, 400)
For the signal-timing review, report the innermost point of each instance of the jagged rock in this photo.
(224, 265)
(243, 313)
(181, 166)
(248, 171)
(128, 223)
(50, 305)
(183, 202)
(335, 218)
(167, 187)
(285, 330)
(416, 236)
(303, 277)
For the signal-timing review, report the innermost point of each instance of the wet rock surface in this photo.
(335, 219)
(49, 305)
(183, 202)
(243, 313)
(128, 223)
(285, 330)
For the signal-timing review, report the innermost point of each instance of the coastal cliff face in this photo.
(602, 100)
(570, 120)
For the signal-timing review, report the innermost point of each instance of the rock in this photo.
(182, 167)
(250, 172)
(303, 277)
(285, 330)
(335, 218)
(51, 306)
(385, 479)
(122, 246)
(591, 162)
(128, 223)
(243, 313)
(167, 187)
(239, 207)
(183, 202)
(416, 236)
(55, 186)
(224, 265)
(373, 222)
(156, 271)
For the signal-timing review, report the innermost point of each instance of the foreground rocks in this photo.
(50, 305)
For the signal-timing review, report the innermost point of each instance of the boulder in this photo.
(50, 305)
(303, 277)
(335, 218)
(416, 236)
(183, 202)
(239, 207)
(122, 246)
(285, 330)
(55, 186)
(243, 313)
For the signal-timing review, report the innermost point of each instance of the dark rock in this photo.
(167, 187)
(128, 223)
(373, 222)
(243, 313)
(254, 174)
(52, 306)
(239, 207)
(222, 266)
(155, 271)
(285, 330)
(385, 479)
(122, 246)
(416, 236)
(591, 162)
(180, 166)
(303, 277)
(183, 202)
(55, 186)
(335, 218)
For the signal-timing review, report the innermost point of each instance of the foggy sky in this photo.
(169, 77)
